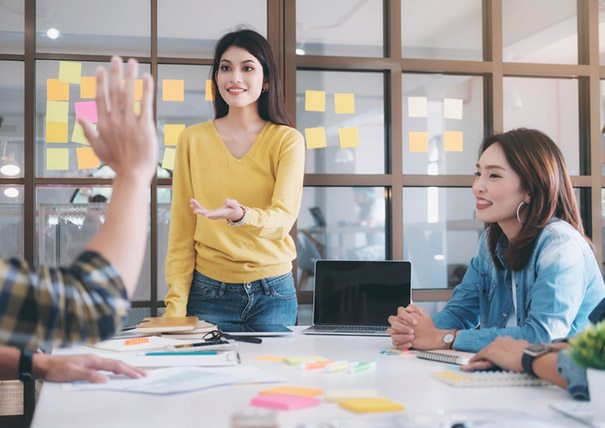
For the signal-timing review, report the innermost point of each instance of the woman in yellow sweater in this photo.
(237, 191)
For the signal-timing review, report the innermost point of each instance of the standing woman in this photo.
(237, 190)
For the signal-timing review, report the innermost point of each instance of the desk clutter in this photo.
(485, 379)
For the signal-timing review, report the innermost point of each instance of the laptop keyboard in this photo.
(350, 327)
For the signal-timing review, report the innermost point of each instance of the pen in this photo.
(163, 353)
(360, 367)
(189, 345)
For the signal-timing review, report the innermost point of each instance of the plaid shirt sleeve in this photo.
(85, 302)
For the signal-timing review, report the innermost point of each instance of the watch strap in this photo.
(526, 362)
(26, 365)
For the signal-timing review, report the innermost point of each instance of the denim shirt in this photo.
(556, 291)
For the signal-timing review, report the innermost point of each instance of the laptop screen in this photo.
(355, 292)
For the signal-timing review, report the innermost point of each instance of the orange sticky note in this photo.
(344, 103)
(136, 341)
(315, 101)
(453, 141)
(138, 89)
(70, 72)
(171, 133)
(57, 90)
(316, 138)
(56, 132)
(88, 87)
(173, 90)
(168, 159)
(418, 142)
(57, 159)
(209, 95)
(348, 137)
(87, 158)
(272, 358)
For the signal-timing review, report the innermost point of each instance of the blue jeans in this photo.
(265, 301)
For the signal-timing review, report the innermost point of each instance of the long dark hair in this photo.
(271, 104)
(540, 165)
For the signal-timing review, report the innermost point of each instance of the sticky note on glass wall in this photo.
(173, 90)
(57, 90)
(87, 110)
(171, 133)
(168, 159)
(57, 111)
(315, 101)
(57, 159)
(77, 136)
(138, 89)
(348, 137)
(88, 87)
(70, 72)
(316, 138)
(418, 142)
(136, 106)
(56, 132)
(452, 108)
(344, 103)
(417, 107)
(209, 93)
(453, 141)
(87, 158)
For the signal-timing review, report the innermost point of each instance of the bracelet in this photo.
(242, 220)
(26, 365)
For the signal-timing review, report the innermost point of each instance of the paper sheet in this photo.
(452, 108)
(417, 107)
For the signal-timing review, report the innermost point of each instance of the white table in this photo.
(404, 379)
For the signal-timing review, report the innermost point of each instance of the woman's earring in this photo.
(518, 210)
(265, 90)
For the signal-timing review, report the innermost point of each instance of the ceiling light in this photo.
(10, 170)
(300, 51)
(52, 33)
(11, 192)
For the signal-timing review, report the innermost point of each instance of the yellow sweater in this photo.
(268, 180)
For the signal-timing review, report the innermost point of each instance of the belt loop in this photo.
(266, 289)
(221, 291)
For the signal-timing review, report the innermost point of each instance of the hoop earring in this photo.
(519, 209)
(265, 90)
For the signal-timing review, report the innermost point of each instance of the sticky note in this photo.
(56, 132)
(315, 101)
(283, 402)
(209, 94)
(168, 159)
(57, 90)
(136, 341)
(303, 359)
(371, 405)
(293, 390)
(57, 159)
(138, 89)
(57, 111)
(136, 106)
(418, 142)
(88, 87)
(69, 72)
(316, 138)
(344, 103)
(335, 395)
(171, 133)
(87, 110)
(348, 137)
(173, 90)
(77, 136)
(272, 358)
(452, 141)
(87, 160)
(417, 107)
(452, 108)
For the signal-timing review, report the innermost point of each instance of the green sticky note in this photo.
(168, 159)
(78, 136)
(57, 111)
(57, 159)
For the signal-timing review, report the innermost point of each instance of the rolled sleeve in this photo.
(574, 375)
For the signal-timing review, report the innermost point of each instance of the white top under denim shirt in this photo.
(556, 291)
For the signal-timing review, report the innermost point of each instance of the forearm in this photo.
(545, 367)
(9, 363)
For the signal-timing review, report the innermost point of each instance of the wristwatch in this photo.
(530, 354)
(448, 338)
(25, 365)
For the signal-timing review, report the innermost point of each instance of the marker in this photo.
(190, 345)
(361, 367)
(163, 353)
(337, 366)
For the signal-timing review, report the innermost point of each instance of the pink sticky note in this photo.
(87, 110)
(283, 402)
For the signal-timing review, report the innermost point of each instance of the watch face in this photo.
(537, 349)
(448, 338)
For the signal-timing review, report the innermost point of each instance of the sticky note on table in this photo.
(293, 390)
(315, 101)
(316, 138)
(303, 359)
(283, 402)
(344, 103)
(173, 90)
(452, 108)
(272, 358)
(70, 72)
(172, 132)
(335, 395)
(86, 158)
(57, 159)
(57, 90)
(88, 87)
(138, 89)
(371, 405)
(209, 93)
(87, 110)
(168, 159)
(418, 142)
(56, 132)
(57, 111)
(453, 141)
(417, 107)
(77, 136)
(348, 137)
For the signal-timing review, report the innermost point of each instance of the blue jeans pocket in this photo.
(282, 287)
(204, 287)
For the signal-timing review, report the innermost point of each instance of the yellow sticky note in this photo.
(57, 111)
(56, 132)
(418, 142)
(70, 72)
(371, 405)
(348, 137)
(209, 95)
(138, 89)
(344, 103)
(272, 358)
(315, 101)
(57, 90)
(77, 136)
(417, 107)
(453, 141)
(302, 391)
(87, 158)
(136, 106)
(168, 159)
(171, 133)
(316, 138)
(88, 87)
(57, 159)
(303, 359)
(173, 90)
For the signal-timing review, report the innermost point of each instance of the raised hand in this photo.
(231, 211)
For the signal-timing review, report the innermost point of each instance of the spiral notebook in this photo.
(486, 379)
(446, 356)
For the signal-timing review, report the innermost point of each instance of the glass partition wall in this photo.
(393, 101)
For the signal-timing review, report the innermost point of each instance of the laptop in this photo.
(355, 297)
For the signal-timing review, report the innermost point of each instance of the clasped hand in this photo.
(412, 327)
(231, 210)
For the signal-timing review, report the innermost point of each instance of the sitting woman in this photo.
(535, 276)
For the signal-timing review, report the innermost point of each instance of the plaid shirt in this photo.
(85, 302)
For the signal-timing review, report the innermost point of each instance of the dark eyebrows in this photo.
(491, 167)
(243, 62)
